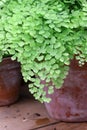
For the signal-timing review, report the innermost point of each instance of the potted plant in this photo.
(10, 75)
(45, 37)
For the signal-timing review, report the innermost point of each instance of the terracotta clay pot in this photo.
(10, 81)
(70, 102)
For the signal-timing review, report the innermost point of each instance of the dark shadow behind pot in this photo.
(10, 81)
(69, 103)
(25, 90)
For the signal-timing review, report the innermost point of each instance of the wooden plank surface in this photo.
(28, 114)
(65, 126)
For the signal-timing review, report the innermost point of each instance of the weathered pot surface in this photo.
(10, 81)
(70, 102)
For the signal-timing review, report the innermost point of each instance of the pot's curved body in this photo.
(70, 102)
(10, 81)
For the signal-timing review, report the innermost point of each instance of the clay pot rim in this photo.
(8, 64)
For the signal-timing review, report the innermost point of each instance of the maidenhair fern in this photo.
(44, 35)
